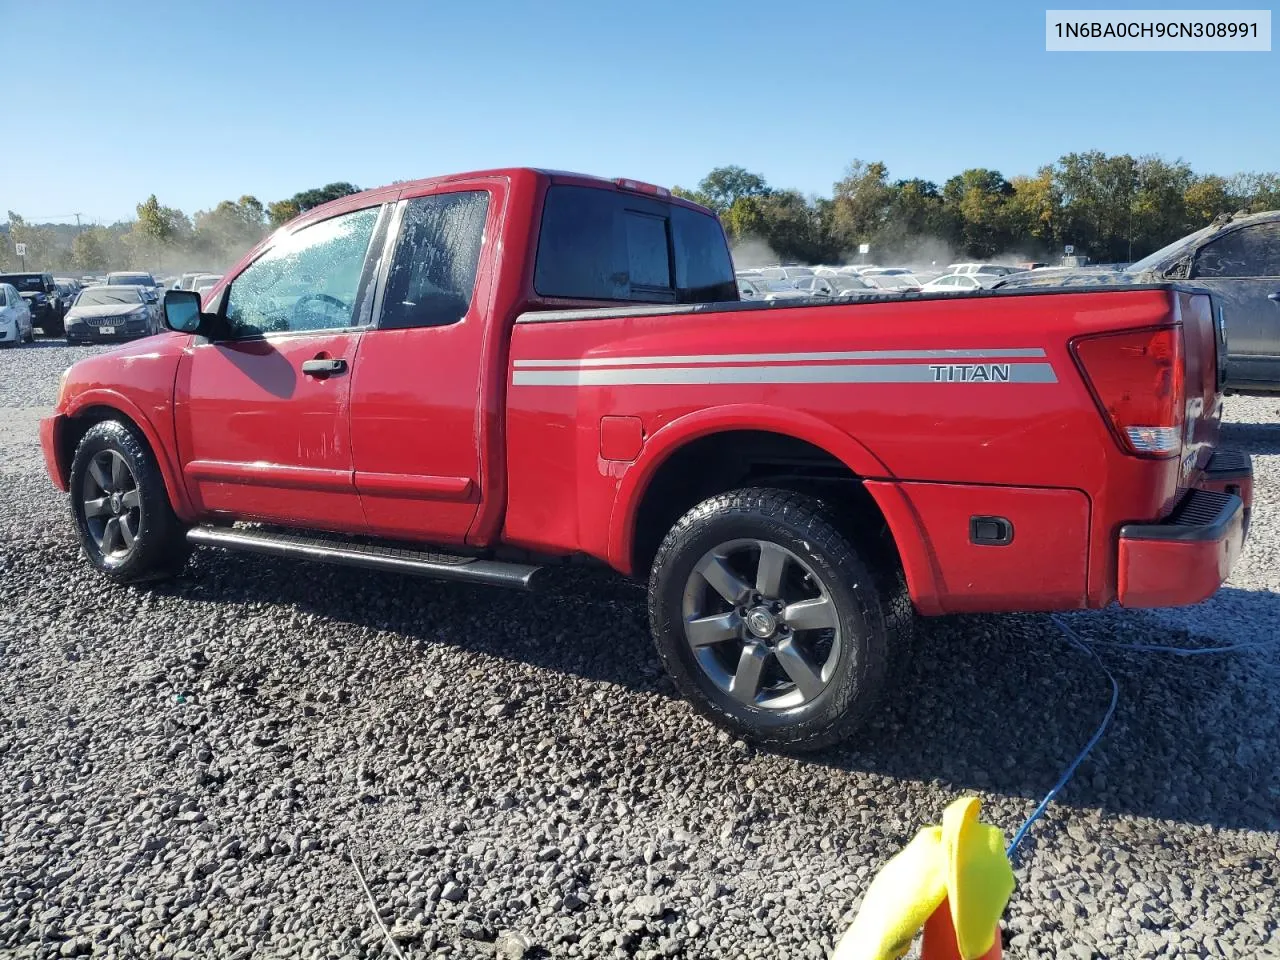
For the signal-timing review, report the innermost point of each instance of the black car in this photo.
(43, 297)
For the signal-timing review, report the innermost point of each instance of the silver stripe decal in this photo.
(714, 358)
(859, 373)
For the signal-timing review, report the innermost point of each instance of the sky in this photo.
(199, 102)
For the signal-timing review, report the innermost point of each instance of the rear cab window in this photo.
(596, 243)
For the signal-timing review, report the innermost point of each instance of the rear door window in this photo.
(600, 244)
(1248, 252)
(433, 273)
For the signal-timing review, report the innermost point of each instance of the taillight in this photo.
(1137, 378)
(637, 186)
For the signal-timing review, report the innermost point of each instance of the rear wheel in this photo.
(769, 620)
(127, 526)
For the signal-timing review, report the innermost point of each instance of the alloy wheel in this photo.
(112, 504)
(761, 624)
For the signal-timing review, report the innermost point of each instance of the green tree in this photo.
(282, 211)
(863, 201)
(1034, 210)
(1208, 196)
(89, 251)
(159, 230)
(40, 241)
(229, 229)
(977, 199)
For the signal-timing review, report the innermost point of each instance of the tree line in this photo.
(1111, 208)
(160, 238)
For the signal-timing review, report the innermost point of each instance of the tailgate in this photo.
(1203, 372)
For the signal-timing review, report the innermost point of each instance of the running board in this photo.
(370, 556)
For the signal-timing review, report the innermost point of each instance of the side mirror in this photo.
(182, 311)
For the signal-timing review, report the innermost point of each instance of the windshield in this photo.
(780, 286)
(102, 297)
(25, 282)
(1155, 259)
(142, 279)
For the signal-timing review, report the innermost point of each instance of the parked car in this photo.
(958, 283)
(1237, 260)
(205, 282)
(767, 291)
(42, 296)
(15, 317)
(786, 273)
(788, 482)
(185, 281)
(131, 278)
(982, 269)
(833, 286)
(895, 280)
(112, 312)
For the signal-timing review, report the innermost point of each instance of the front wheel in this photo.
(769, 620)
(127, 527)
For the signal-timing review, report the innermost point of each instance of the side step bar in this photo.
(370, 556)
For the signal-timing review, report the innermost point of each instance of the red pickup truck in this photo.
(474, 377)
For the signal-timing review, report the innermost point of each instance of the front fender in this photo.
(160, 441)
(747, 416)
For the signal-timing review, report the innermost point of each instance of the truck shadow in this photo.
(995, 704)
(1004, 704)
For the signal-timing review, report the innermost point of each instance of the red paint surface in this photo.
(428, 436)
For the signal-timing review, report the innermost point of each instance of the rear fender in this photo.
(701, 423)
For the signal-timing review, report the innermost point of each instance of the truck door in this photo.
(416, 391)
(261, 410)
(1241, 269)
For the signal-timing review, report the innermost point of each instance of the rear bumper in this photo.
(1187, 556)
(1231, 472)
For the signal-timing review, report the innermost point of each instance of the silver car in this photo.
(15, 317)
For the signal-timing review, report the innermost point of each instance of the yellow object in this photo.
(962, 862)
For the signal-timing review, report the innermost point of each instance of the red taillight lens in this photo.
(1137, 378)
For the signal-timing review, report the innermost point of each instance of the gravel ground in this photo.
(185, 769)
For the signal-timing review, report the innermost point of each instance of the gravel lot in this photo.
(186, 768)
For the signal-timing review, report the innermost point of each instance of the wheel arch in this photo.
(685, 462)
(94, 407)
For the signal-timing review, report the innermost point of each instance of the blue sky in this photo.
(198, 102)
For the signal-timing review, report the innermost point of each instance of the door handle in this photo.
(322, 368)
(1274, 296)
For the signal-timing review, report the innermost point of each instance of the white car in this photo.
(891, 280)
(786, 273)
(15, 317)
(959, 283)
(982, 269)
(205, 282)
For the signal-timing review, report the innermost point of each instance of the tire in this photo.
(831, 622)
(149, 541)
